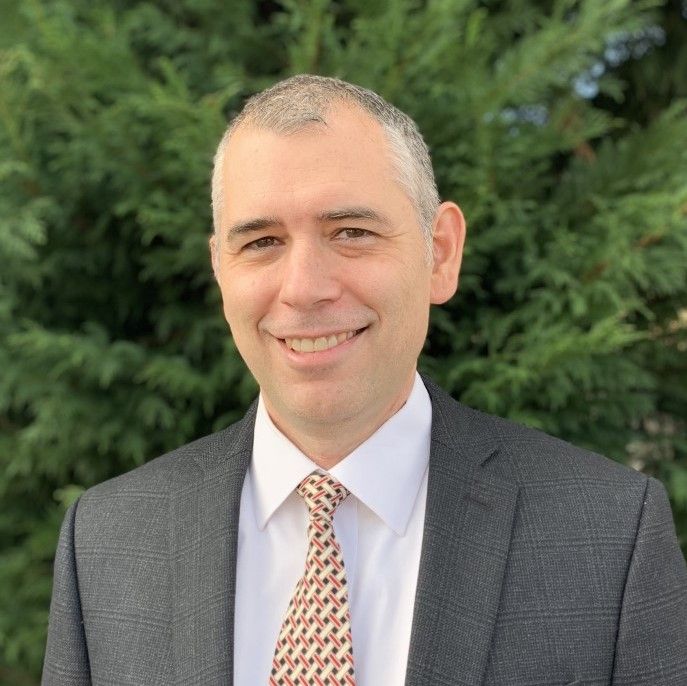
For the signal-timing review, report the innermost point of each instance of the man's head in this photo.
(321, 258)
(304, 100)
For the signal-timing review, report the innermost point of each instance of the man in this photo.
(358, 525)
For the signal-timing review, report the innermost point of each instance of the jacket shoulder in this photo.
(536, 456)
(185, 462)
(145, 490)
(527, 455)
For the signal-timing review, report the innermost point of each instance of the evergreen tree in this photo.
(571, 313)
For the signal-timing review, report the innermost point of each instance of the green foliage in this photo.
(572, 310)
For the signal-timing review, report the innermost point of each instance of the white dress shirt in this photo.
(379, 527)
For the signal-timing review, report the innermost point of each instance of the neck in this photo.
(327, 443)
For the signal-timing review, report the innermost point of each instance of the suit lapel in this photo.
(204, 521)
(468, 524)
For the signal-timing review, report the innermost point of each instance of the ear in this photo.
(214, 255)
(448, 239)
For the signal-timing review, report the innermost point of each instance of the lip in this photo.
(320, 357)
(318, 334)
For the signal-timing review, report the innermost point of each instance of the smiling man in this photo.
(326, 274)
(358, 526)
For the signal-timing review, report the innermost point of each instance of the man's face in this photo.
(323, 270)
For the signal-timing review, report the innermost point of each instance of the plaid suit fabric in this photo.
(314, 644)
(542, 563)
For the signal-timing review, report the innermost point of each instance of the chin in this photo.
(310, 405)
(323, 411)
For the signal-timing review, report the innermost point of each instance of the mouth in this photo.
(315, 345)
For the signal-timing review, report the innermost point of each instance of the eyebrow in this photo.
(256, 224)
(337, 214)
(353, 212)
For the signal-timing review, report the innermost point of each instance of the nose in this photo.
(308, 276)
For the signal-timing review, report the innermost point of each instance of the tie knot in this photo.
(322, 494)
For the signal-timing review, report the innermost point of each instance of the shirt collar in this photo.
(385, 472)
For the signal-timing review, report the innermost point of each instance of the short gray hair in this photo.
(296, 102)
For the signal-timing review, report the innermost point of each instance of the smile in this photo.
(314, 345)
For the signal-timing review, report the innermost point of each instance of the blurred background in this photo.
(560, 127)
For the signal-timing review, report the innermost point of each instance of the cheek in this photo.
(400, 292)
(243, 297)
(406, 309)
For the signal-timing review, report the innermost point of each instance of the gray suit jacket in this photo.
(541, 564)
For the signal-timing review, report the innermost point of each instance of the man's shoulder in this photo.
(179, 468)
(526, 455)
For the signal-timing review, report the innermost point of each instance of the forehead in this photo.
(346, 160)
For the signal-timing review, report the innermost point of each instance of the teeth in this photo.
(309, 345)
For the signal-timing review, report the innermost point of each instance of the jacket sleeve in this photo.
(66, 656)
(651, 645)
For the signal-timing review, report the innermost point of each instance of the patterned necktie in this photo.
(314, 645)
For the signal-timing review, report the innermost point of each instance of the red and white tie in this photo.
(314, 645)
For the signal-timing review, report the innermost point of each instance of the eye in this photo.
(261, 243)
(351, 232)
